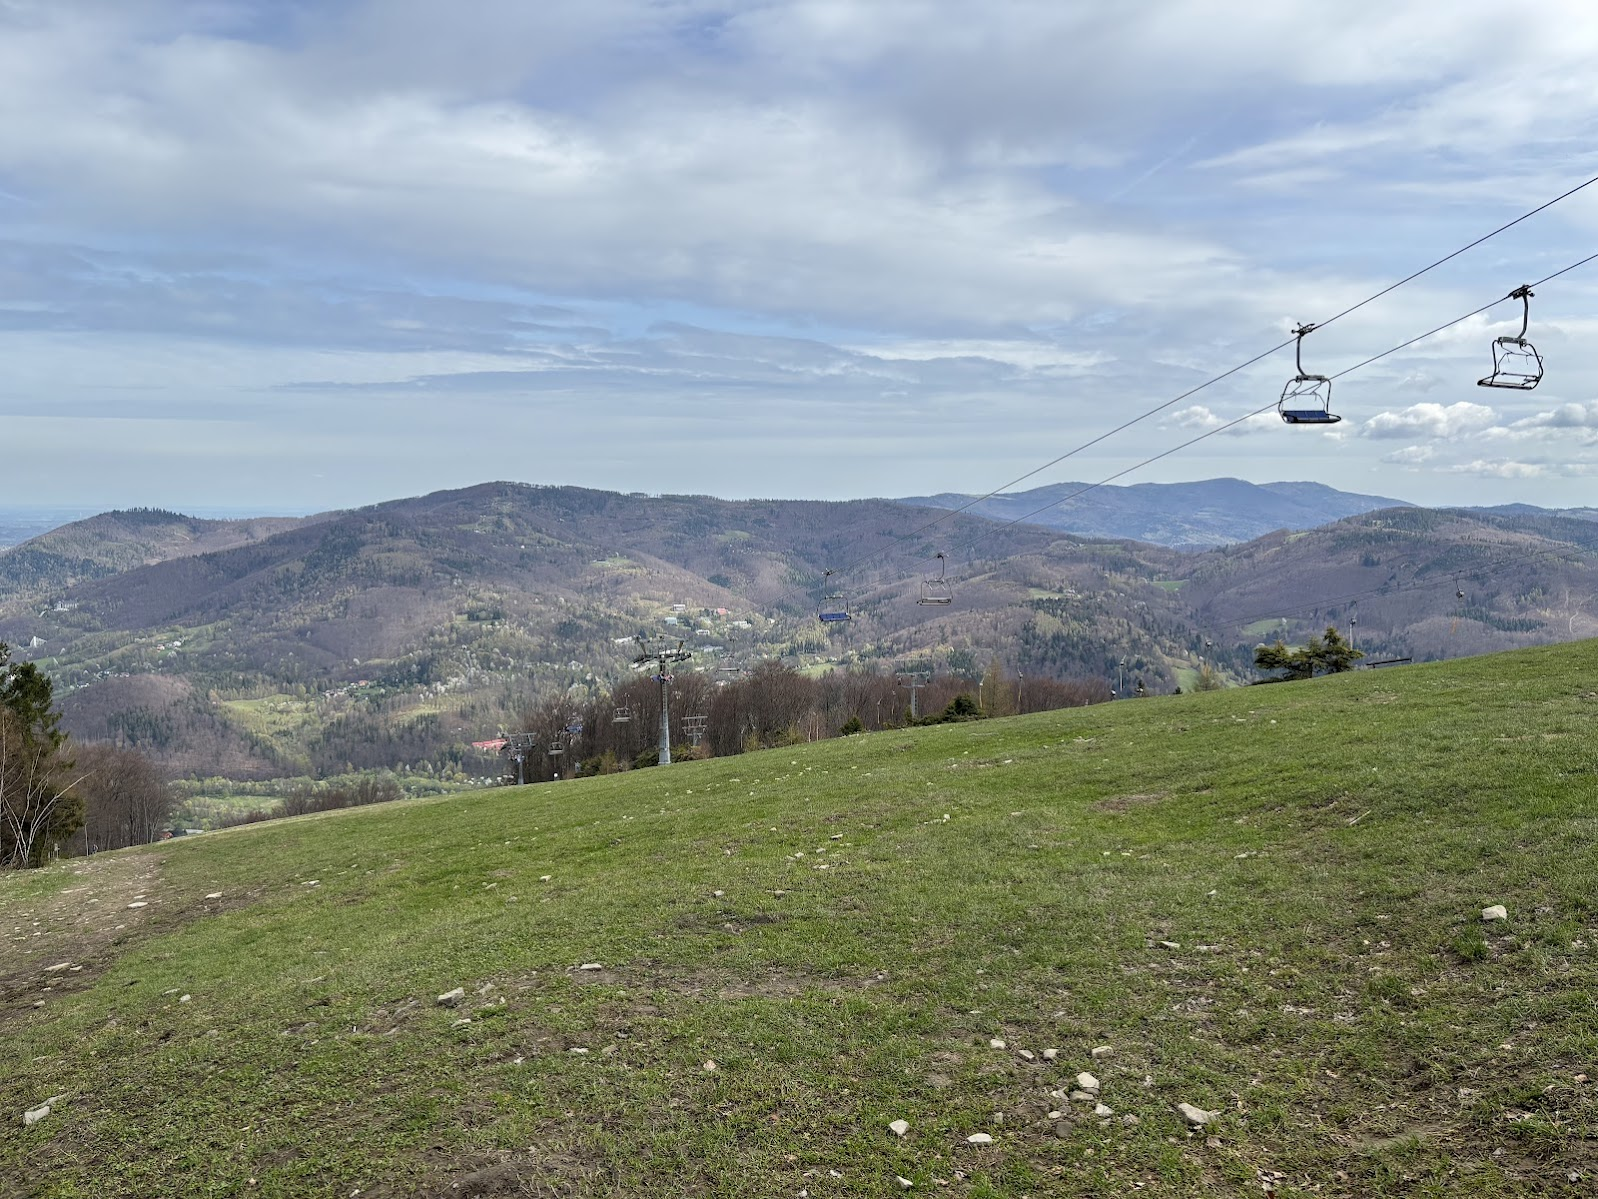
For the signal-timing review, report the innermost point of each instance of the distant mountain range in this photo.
(1183, 515)
(397, 634)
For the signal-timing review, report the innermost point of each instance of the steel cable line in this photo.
(1403, 345)
(1192, 391)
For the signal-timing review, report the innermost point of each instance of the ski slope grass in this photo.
(1266, 902)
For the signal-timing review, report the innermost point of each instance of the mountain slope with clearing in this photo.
(727, 978)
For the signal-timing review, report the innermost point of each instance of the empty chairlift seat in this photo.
(1307, 399)
(1516, 363)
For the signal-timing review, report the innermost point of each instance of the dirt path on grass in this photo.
(60, 942)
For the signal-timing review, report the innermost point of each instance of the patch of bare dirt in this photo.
(1125, 803)
(62, 942)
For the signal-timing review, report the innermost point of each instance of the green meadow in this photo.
(727, 978)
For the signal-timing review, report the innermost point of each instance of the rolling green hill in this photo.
(727, 978)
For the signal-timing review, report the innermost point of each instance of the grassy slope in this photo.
(1331, 843)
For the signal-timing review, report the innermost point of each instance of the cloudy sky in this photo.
(296, 254)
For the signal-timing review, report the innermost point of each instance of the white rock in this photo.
(980, 1138)
(718, 894)
(451, 998)
(1171, 944)
(578, 1050)
(59, 966)
(1102, 1051)
(903, 1181)
(1027, 1055)
(1050, 1054)
(1196, 1116)
(1087, 1082)
(312, 882)
(214, 895)
(1130, 1121)
(34, 1115)
(1102, 1110)
(544, 878)
(1496, 912)
(139, 903)
(1083, 1097)
(710, 1064)
(1056, 1115)
(899, 1127)
(184, 998)
(996, 1043)
(591, 966)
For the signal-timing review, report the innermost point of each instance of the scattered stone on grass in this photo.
(1087, 1082)
(980, 1138)
(312, 882)
(996, 1043)
(33, 1115)
(1050, 1054)
(578, 1050)
(451, 998)
(138, 903)
(1103, 1110)
(544, 878)
(214, 895)
(591, 966)
(903, 1181)
(718, 894)
(59, 966)
(1102, 1051)
(1197, 1116)
(1082, 1097)
(1496, 912)
(1027, 1055)
(710, 1065)
(1130, 1121)
(899, 1127)
(1170, 944)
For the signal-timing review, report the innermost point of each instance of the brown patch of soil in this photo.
(1125, 803)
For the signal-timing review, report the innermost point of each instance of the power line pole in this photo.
(661, 660)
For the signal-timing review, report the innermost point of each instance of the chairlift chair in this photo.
(1307, 399)
(834, 608)
(1516, 363)
(622, 715)
(937, 591)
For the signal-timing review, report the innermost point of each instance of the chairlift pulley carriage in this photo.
(937, 591)
(1307, 399)
(1516, 363)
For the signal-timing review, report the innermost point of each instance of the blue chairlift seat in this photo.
(834, 610)
(1307, 400)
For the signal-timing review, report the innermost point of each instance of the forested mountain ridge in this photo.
(397, 634)
(115, 542)
(1196, 515)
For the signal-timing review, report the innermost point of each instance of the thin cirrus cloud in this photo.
(771, 241)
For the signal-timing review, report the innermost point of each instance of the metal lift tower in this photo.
(662, 660)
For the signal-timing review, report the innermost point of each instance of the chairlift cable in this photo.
(1210, 382)
(1261, 411)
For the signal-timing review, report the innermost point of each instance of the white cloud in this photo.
(1430, 420)
(1504, 468)
(1411, 455)
(1202, 420)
